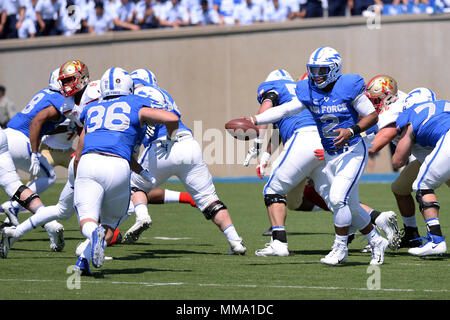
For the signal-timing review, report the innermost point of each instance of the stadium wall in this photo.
(213, 72)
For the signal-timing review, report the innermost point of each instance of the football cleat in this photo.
(275, 248)
(7, 241)
(387, 222)
(337, 255)
(98, 247)
(378, 247)
(82, 267)
(133, 234)
(434, 245)
(237, 247)
(410, 237)
(10, 212)
(268, 232)
(366, 249)
(55, 232)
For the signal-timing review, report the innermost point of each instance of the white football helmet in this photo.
(279, 74)
(53, 82)
(419, 95)
(116, 82)
(324, 67)
(144, 76)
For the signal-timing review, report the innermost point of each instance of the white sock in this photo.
(88, 228)
(231, 233)
(87, 253)
(42, 216)
(410, 221)
(141, 211)
(171, 196)
(372, 235)
(341, 239)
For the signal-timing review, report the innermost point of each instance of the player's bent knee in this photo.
(24, 203)
(213, 209)
(270, 199)
(424, 204)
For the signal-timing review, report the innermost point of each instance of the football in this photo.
(242, 129)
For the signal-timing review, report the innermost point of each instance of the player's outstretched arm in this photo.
(158, 116)
(383, 137)
(48, 114)
(403, 149)
(274, 114)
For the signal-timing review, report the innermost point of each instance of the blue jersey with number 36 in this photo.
(285, 90)
(112, 125)
(429, 121)
(333, 109)
(41, 100)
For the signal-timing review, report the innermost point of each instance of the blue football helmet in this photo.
(419, 95)
(324, 67)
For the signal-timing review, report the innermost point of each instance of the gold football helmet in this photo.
(73, 76)
(382, 90)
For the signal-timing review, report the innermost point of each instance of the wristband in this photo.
(355, 130)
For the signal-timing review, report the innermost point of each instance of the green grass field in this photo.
(183, 257)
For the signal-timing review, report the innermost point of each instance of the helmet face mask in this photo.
(73, 77)
(382, 90)
(324, 67)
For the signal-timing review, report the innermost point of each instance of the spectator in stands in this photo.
(312, 9)
(247, 13)
(205, 14)
(7, 108)
(337, 8)
(146, 16)
(70, 19)
(86, 7)
(225, 8)
(274, 12)
(99, 21)
(173, 14)
(358, 6)
(293, 7)
(47, 16)
(12, 15)
(124, 16)
(28, 27)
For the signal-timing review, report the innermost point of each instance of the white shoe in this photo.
(366, 249)
(55, 232)
(237, 247)
(274, 248)
(378, 247)
(7, 241)
(387, 222)
(435, 245)
(11, 213)
(338, 254)
(81, 247)
(136, 229)
(98, 247)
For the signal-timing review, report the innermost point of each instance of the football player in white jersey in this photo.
(390, 102)
(341, 111)
(183, 159)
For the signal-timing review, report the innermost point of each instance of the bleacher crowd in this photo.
(30, 18)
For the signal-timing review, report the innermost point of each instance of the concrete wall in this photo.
(213, 72)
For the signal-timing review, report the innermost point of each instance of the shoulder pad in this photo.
(349, 86)
(303, 90)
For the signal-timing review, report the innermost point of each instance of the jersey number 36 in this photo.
(115, 117)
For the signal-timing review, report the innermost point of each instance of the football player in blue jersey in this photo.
(341, 111)
(25, 130)
(113, 126)
(183, 159)
(426, 124)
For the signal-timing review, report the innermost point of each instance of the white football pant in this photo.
(9, 179)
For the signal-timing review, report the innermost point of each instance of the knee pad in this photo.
(213, 209)
(270, 199)
(423, 204)
(27, 201)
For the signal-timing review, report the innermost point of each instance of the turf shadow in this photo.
(105, 272)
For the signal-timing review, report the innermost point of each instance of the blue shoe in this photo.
(82, 267)
(98, 247)
(434, 245)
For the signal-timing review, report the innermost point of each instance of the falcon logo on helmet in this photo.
(73, 77)
(116, 82)
(279, 74)
(419, 95)
(324, 67)
(382, 91)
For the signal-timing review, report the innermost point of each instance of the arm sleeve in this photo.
(284, 110)
(363, 105)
